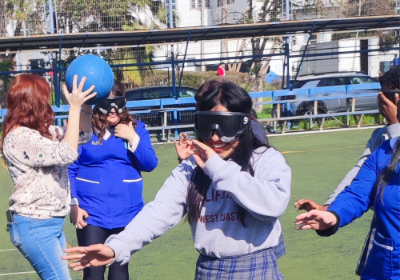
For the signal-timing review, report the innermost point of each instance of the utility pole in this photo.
(202, 11)
(171, 25)
(398, 31)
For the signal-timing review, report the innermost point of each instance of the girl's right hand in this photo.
(78, 97)
(78, 217)
(184, 147)
(93, 255)
(308, 205)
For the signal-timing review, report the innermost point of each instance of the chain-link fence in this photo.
(33, 17)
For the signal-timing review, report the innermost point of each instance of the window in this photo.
(207, 3)
(200, 4)
(336, 81)
(193, 4)
(164, 93)
(184, 92)
(363, 80)
(221, 2)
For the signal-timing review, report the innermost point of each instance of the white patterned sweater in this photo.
(38, 168)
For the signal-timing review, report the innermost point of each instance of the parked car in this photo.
(161, 92)
(301, 107)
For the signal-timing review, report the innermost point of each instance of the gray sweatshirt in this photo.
(378, 136)
(218, 232)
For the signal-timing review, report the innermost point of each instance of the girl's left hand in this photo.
(93, 255)
(315, 219)
(202, 153)
(126, 132)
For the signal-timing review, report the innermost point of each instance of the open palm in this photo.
(94, 255)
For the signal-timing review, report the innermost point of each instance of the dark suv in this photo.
(162, 92)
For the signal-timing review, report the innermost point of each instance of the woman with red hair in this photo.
(37, 154)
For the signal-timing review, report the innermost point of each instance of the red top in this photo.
(221, 71)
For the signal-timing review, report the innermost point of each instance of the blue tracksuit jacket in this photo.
(384, 257)
(107, 179)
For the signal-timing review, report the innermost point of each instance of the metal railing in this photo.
(170, 116)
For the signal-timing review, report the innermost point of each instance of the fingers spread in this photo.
(73, 257)
(82, 83)
(89, 90)
(75, 82)
(78, 249)
(90, 96)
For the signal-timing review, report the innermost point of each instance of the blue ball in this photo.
(97, 72)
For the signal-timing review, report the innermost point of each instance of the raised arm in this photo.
(76, 99)
(156, 218)
(351, 203)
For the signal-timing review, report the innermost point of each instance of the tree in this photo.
(94, 16)
(6, 64)
(269, 11)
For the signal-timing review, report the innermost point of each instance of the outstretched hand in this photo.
(78, 97)
(308, 205)
(93, 255)
(184, 147)
(315, 219)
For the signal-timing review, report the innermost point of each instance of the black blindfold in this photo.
(116, 102)
(228, 125)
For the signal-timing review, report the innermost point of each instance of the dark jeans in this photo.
(90, 235)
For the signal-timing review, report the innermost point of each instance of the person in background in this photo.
(396, 60)
(37, 154)
(232, 191)
(221, 69)
(106, 181)
(376, 185)
(388, 107)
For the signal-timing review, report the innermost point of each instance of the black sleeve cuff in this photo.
(331, 230)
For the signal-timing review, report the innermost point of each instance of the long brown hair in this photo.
(99, 120)
(235, 99)
(28, 106)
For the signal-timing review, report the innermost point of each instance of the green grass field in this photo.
(318, 162)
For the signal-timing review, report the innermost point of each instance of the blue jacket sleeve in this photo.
(356, 199)
(72, 172)
(144, 156)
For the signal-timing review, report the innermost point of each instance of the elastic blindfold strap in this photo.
(106, 105)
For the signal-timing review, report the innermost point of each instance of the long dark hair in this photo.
(235, 99)
(390, 80)
(99, 120)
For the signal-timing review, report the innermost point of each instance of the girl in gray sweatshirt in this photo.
(232, 190)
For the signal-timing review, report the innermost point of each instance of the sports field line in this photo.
(295, 132)
(7, 250)
(16, 273)
(319, 150)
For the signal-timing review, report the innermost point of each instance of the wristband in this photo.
(74, 201)
(86, 113)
